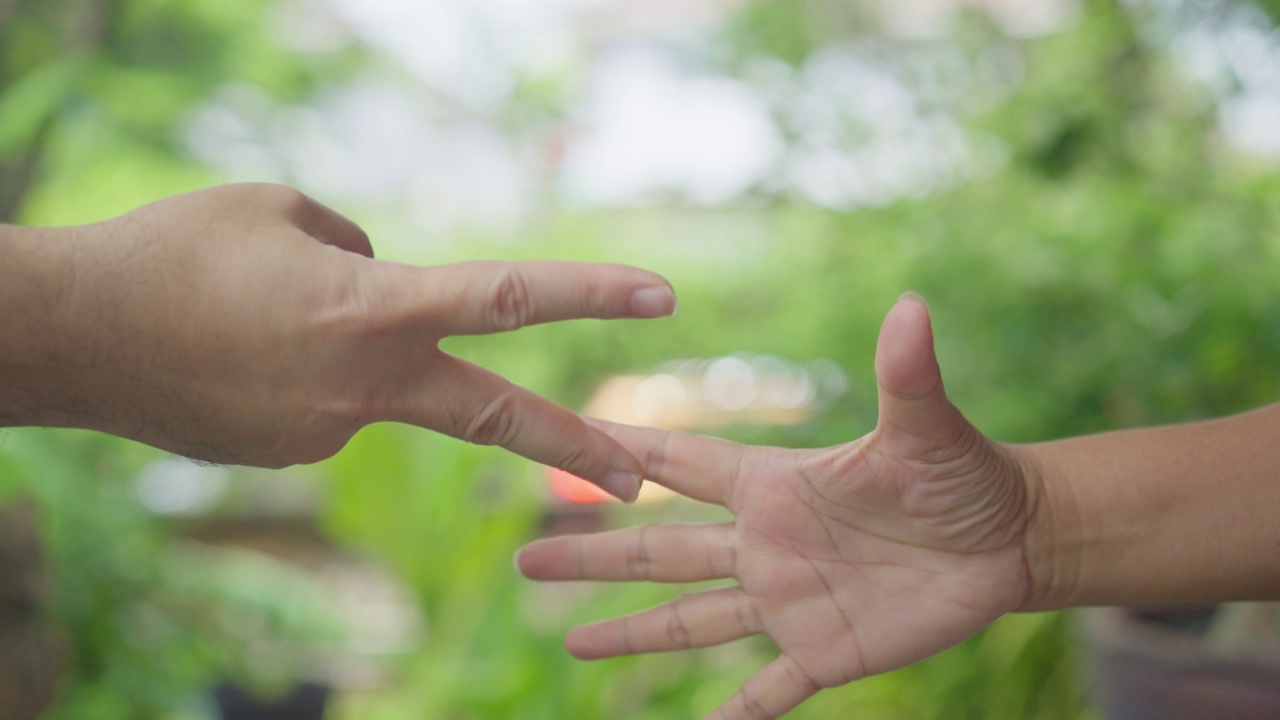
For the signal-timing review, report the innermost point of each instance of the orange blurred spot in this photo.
(574, 489)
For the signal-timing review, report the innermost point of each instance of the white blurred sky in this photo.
(427, 135)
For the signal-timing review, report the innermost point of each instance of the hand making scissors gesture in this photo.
(250, 324)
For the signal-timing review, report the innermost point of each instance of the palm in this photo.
(855, 560)
(847, 582)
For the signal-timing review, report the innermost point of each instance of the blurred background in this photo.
(1086, 191)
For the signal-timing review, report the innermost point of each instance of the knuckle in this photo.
(752, 706)
(284, 200)
(677, 629)
(576, 459)
(728, 559)
(639, 560)
(510, 302)
(655, 458)
(292, 201)
(596, 301)
(495, 424)
(799, 677)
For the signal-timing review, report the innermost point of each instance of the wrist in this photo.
(1053, 565)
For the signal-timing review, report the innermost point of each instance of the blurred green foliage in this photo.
(1115, 267)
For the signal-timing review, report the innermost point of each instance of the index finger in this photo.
(482, 297)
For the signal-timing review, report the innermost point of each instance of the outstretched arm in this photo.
(866, 557)
(1158, 516)
(250, 324)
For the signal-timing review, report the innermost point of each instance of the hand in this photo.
(855, 560)
(249, 324)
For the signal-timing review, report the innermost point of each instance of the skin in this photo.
(869, 556)
(250, 324)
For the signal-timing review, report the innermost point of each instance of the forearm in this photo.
(1170, 515)
(36, 278)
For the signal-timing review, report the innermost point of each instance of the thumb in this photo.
(912, 399)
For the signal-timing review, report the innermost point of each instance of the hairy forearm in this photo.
(1156, 516)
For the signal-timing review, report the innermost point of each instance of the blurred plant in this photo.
(152, 620)
(105, 87)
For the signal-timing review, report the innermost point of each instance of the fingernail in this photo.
(914, 296)
(623, 485)
(653, 302)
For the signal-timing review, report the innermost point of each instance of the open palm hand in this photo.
(855, 559)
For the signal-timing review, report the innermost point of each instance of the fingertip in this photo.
(623, 474)
(580, 643)
(654, 302)
(547, 559)
(623, 485)
(912, 308)
(572, 646)
(913, 296)
(520, 561)
(905, 359)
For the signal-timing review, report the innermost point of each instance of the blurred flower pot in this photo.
(1186, 664)
(306, 702)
